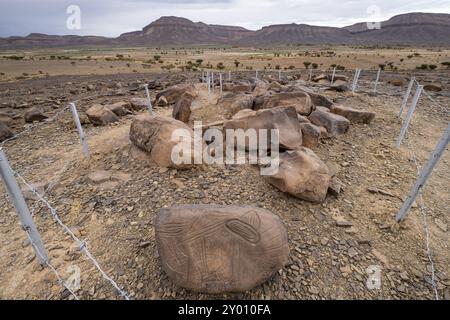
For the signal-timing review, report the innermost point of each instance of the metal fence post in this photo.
(208, 80)
(22, 209)
(310, 73)
(229, 75)
(406, 97)
(355, 80)
(221, 84)
(409, 116)
(73, 109)
(279, 75)
(333, 75)
(149, 99)
(425, 174)
(212, 82)
(377, 80)
(256, 75)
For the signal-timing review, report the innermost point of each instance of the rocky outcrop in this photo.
(220, 249)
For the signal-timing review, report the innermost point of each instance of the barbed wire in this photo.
(51, 267)
(81, 244)
(424, 222)
(33, 126)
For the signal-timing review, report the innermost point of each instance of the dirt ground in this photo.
(115, 218)
(95, 61)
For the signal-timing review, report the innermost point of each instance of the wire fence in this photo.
(365, 86)
(54, 214)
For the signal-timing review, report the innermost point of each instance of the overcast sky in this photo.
(113, 17)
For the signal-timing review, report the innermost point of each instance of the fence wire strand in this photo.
(81, 244)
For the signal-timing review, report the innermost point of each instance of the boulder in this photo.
(120, 109)
(220, 249)
(355, 116)
(339, 87)
(238, 88)
(174, 93)
(302, 174)
(182, 109)
(282, 118)
(302, 119)
(335, 124)
(317, 99)
(311, 135)
(139, 104)
(320, 77)
(275, 87)
(100, 115)
(162, 102)
(154, 134)
(301, 101)
(5, 132)
(232, 104)
(34, 114)
(6, 119)
(398, 82)
(434, 87)
(261, 88)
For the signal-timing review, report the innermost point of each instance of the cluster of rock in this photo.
(216, 249)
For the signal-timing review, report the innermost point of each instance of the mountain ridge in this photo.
(409, 28)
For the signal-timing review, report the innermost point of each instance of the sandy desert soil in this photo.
(95, 61)
(115, 218)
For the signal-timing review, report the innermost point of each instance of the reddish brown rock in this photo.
(5, 132)
(120, 109)
(220, 249)
(355, 116)
(303, 175)
(139, 104)
(232, 104)
(34, 114)
(182, 109)
(311, 135)
(100, 115)
(174, 93)
(335, 124)
(435, 87)
(283, 119)
(301, 101)
(155, 134)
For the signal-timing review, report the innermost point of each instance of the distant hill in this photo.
(410, 28)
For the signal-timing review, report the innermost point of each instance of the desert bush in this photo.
(306, 64)
(447, 64)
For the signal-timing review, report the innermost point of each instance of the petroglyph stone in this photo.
(218, 249)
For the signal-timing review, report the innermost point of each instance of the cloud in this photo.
(113, 17)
